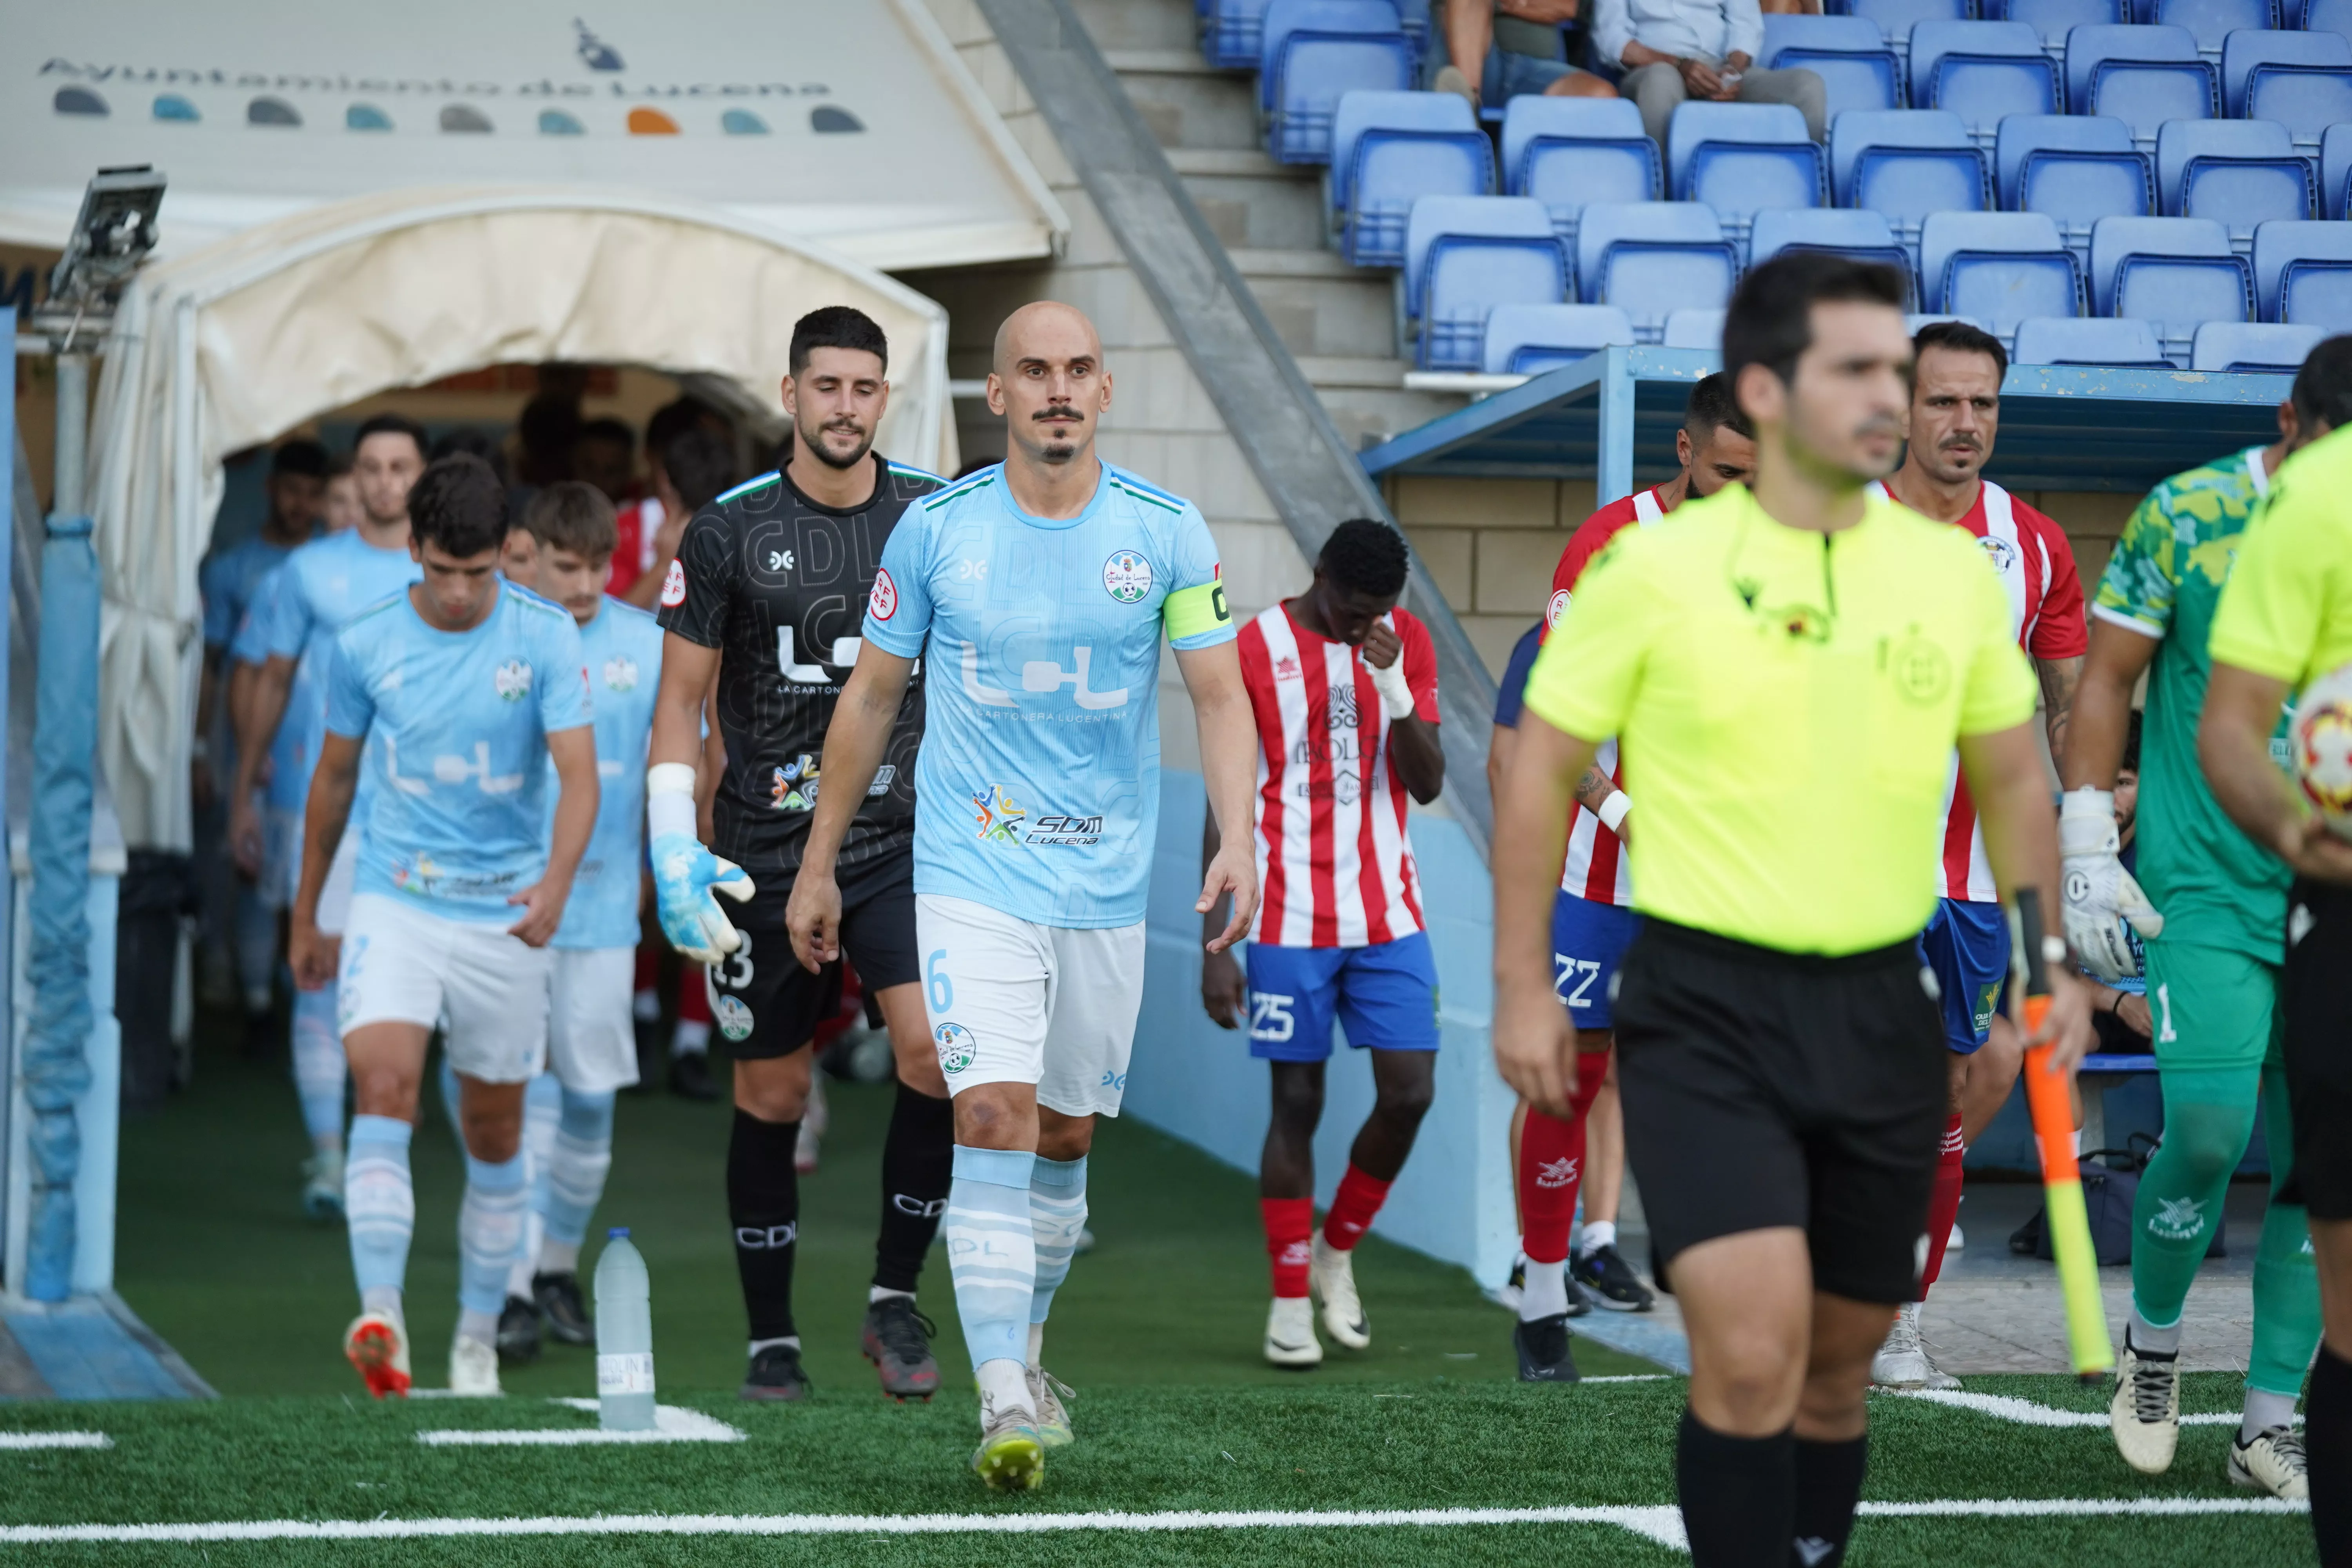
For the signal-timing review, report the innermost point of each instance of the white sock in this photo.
(2265, 1410)
(534, 1233)
(692, 1038)
(1005, 1384)
(645, 1006)
(559, 1257)
(1545, 1293)
(1037, 1346)
(2148, 1336)
(877, 1293)
(482, 1326)
(1597, 1234)
(759, 1345)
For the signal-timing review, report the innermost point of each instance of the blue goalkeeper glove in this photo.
(687, 875)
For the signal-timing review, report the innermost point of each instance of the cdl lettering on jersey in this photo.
(450, 770)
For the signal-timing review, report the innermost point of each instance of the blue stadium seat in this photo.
(2077, 169)
(2241, 172)
(1652, 259)
(1848, 53)
(1911, 324)
(2089, 340)
(2324, 15)
(1388, 150)
(2242, 51)
(2334, 170)
(1695, 330)
(1739, 158)
(1528, 340)
(1566, 152)
(2143, 76)
(2213, 20)
(1982, 71)
(1231, 31)
(1313, 52)
(2260, 347)
(1908, 164)
(1464, 256)
(2307, 100)
(1843, 231)
(2177, 272)
(2053, 19)
(1894, 17)
(2302, 274)
(2000, 268)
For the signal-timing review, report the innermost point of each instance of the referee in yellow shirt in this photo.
(1789, 671)
(2285, 616)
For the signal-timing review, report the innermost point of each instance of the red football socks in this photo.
(1289, 1224)
(1353, 1207)
(1551, 1166)
(1943, 1203)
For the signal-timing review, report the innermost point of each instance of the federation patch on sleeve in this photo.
(1557, 608)
(883, 603)
(674, 586)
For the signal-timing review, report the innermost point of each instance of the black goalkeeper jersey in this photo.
(778, 584)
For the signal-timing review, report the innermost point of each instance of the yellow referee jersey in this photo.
(1787, 702)
(2286, 611)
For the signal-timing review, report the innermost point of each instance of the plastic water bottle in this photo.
(625, 1338)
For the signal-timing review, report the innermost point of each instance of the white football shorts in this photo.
(486, 985)
(591, 1034)
(1010, 1001)
(342, 871)
(282, 854)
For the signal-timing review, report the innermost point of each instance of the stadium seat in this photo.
(1842, 231)
(1652, 259)
(1230, 32)
(2240, 172)
(1314, 51)
(2143, 76)
(2334, 170)
(2076, 168)
(1464, 256)
(1739, 158)
(2324, 15)
(1894, 17)
(2306, 99)
(2053, 19)
(1982, 71)
(1911, 324)
(1566, 152)
(1695, 330)
(1998, 268)
(1389, 148)
(2302, 274)
(2253, 346)
(1906, 163)
(2174, 271)
(1528, 340)
(2089, 340)
(2243, 52)
(1848, 53)
(2211, 21)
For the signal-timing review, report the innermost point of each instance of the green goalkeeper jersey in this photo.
(2213, 884)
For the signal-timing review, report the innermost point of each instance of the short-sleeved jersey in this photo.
(2036, 566)
(229, 581)
(1513, 684)
(320, 587)
(1040, 772)
(2287, 610)
(1335, 868)
(777, 583)
(622, 650)
(2215, 887)
(1788, 702)
(456, 725)
(294, 750)
(1596, 867)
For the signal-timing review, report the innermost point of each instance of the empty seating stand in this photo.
(2303, 80)
(1388, 150)
(2053, 19)
(1652, 259)
(1311, 53)
(2254, 347)
(2089, 340)
(1740, 158)
(2143, 76)
(2075, 169)
(2176, 272)
(1982, 71)
(2334, 170)
(1695, 329)
(1566, 152)
(1841, 231)
(1466, 255)
(1896, 18)
(1906, 165)
(1858, 67)
(2302, 274)
(1528, 340)
(2240, 173)
(2211, 21)
(1998, 268)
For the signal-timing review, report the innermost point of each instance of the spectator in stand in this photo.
(650, 527)
(1674, 50)
(2119, 1011)
(1496, 50)
(605, 455)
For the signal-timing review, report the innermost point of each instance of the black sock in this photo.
(764, 1204)
(2328, 1445)
(1828, 1483)
(918, 1163)
(1738, 1496)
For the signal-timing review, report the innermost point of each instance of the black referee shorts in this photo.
(765, 1004)
(2315, 990)
(1764, 1088)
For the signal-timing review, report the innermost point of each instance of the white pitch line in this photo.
(18, 1440)
(2026, 1413)
(672, 1424)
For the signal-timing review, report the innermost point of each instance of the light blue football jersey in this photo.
(294, 750)
(456, 725)
(228, 580)
(1038, 787)
(320, 587)
(622, 647)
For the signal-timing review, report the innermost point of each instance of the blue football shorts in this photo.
(1385, 995)
(1966, 946)
(1588, 941)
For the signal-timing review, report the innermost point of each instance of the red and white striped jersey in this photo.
(1597, 867)
(1334, 866)
(2045, 604)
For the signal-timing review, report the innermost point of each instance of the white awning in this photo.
(853, 124)
(217, 351)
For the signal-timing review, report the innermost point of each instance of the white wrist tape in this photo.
(1396, 692)
(669, 799)
(1612, 810)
